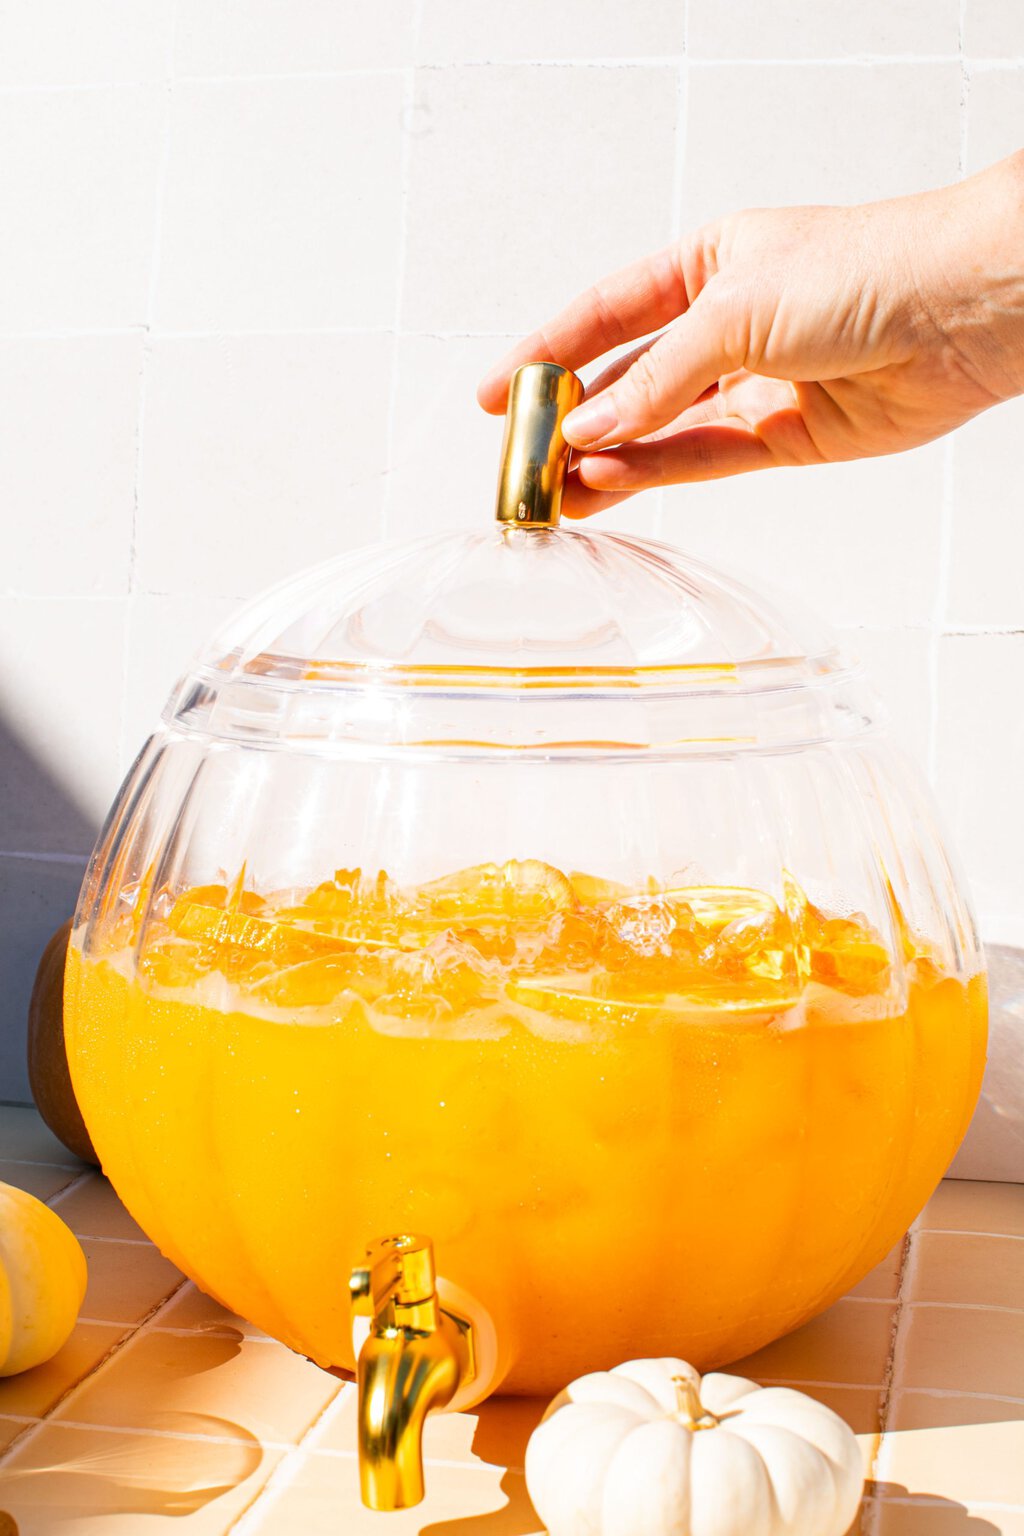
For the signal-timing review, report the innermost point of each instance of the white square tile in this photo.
(981, 767)
(78, 190)
(63, 42)
(36, 897)
(282, 205)
(995, 109)
(820, 29)
(986, 584)
(443, 468)
(529, 183)
(252, 37)
(69, 409)
(61, 672)
(260, 455)
(164, 634)
(993, 29)
(455, 31)
(817, 134)
(898, 665)
(857, 542)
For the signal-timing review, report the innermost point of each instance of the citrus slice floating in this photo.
(278, 942)
(716, 906)
(524, 890)
(592, 891)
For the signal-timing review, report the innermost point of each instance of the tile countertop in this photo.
(165, 1413)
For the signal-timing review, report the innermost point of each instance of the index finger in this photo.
(637, 299)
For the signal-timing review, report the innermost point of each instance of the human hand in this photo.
(793, 336)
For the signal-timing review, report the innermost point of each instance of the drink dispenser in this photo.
(517, 950)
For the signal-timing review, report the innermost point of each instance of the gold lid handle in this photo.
(534, 454)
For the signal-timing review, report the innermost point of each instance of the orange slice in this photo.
(523, 890)
(592, 891)
(716, 906)
(319, 982)
(564, 1005)
(278, 942)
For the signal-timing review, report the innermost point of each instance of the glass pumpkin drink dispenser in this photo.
(537, 927)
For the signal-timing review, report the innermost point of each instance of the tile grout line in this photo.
(284, 1474)
(866, 1386)
(907, 1275)
(404, 193)
(1010, 1237)
(162, 176)
(940, 607)
(59, 1195)
(231, 333)
(34, 1162)
(94, 1370)
(965, 1306)
(145, 1432)
(604, 62)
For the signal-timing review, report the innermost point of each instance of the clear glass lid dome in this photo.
(532, 639)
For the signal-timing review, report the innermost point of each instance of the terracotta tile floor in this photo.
(166, 1413)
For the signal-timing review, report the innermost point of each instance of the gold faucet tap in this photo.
(415, 1358)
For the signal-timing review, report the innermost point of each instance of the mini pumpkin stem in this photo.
(690, 1411)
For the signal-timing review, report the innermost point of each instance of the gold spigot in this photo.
(534, 454)
(415, 1358)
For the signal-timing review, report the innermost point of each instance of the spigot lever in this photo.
(415, 1358)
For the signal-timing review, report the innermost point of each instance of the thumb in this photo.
(664, 378)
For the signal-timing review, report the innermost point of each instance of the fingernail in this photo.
(590, 421)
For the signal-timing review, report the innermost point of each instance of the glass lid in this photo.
(520, 607)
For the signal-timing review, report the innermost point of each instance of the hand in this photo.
(793, 336)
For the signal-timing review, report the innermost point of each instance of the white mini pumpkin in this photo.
(651, 1449)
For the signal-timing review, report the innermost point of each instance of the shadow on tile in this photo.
(902, 1513)
(503, 1427)
(516, 1518)
(76, 1471)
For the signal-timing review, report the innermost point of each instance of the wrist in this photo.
(978, 268)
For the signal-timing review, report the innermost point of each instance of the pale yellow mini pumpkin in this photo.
(651, 1449)
(42, 1281)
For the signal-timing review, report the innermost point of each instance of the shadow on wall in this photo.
(45, 840)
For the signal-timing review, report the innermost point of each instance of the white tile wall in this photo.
(67, 463)
(980, 757)
(859, 541)
(78, 177)
(253, 256)
(817, 133)
(163, 634)
(995, 112)
(281, 208)
(986, 580)
(462, 31)
(830, 29)
(259, 454)
(66, 43)
(994, 29)
(290, 37)
(506, 213)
